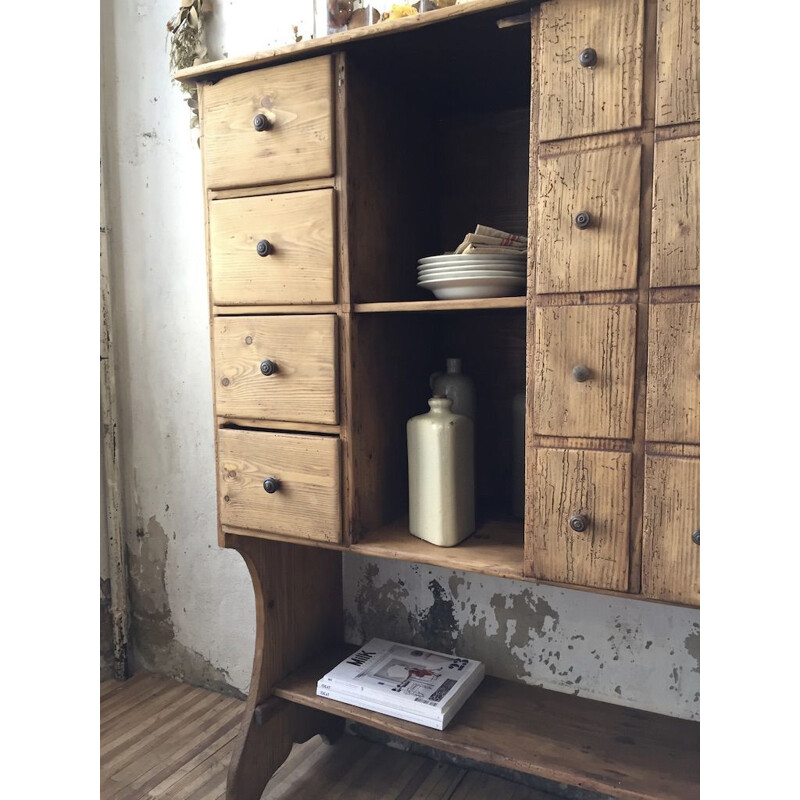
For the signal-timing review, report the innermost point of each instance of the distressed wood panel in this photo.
(307, 504)
(300, 229)
(296, 98)
(678, 66)
(604, 183)
(577, 100)
(673, 373)
(675, 240)
(581, 482)
(304, 348)
(671, 560)
(602, 338)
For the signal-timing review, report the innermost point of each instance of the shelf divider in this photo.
(482, 303)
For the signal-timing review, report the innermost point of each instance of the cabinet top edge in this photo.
(214, 70)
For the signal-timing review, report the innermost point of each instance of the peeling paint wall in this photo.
(628, 652)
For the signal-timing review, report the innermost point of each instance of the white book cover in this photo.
(396, 676)
(373, 705)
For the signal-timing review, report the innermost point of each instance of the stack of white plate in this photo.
(458, 277)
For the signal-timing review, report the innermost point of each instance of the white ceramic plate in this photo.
(470, 269)
(462, 259)
(473, 288)
(467, 275)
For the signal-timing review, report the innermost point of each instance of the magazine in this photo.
(392, 678)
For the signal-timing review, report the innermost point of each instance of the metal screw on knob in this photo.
(261, 122)
(268, 367)
(588, 57)
(271, 485)
(579, 522)
(583, 220)
(581, 373)
(696, 537)
(264, 248)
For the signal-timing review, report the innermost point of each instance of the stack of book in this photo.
(406, 682)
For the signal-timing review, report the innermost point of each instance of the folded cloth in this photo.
(492, 240)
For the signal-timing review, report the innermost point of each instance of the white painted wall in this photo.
(166, 441)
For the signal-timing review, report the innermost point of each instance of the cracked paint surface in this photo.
(618, 650)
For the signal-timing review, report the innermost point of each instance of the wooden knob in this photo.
(588, 57)
(581, 373)
(261, 122)
(271, 485)
(579, 522)
(268, 367)
(264, 248)
(583, 220)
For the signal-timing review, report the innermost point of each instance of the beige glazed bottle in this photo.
(441, 482)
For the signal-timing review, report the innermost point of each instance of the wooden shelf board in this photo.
(496, 548)
(630, 754)
(483, 303)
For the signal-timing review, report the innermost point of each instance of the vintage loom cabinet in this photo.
(330, 167)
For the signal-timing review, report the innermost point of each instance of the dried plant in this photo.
(187, 44)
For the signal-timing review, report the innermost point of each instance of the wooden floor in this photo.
(167, 740)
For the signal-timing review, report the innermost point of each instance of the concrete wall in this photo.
(192, 603)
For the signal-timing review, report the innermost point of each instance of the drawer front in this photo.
(305, 501)
(584, 362)
(678, 69)
(675, 253)
(673, 373)
(577, 253)
(575, 99)
(273, 250)
(295, 100)
(581, 517)
(279, 368)
(670, 556)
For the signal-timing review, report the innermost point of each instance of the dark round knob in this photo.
(263, 248)
(588, 57)
(268, 367)
(579, 522)
(581, 373)
(583, 220)
(271, 485)
(696, 537)
(261, 122)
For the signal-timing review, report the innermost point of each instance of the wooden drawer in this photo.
(581, 501)
(296, 265)
(576, 100)
(597, 401)
(577, 253)
(678, 69)
(675, 253)
(278, 368)
(673, 373)
(670, 556)
(297, 102)
(305, 471)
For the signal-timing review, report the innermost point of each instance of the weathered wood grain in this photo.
(671, 560)
(678, 66)
(595, 484)
(300, 269)
(673, 373)
(604, 183)
(577, 100)
(304, 349)
(297, 100)
(308, 502)
(675, 242)
(601, 338)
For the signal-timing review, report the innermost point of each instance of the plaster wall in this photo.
(192, 603)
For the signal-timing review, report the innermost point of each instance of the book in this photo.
(411, 683)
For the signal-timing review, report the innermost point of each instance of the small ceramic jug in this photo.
(457, 386)
(441, 475)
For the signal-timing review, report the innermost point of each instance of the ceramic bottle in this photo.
(441, 474)
(457, 386)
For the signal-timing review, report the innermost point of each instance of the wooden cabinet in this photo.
(678, 62)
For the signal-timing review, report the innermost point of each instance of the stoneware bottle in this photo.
(457, 386)
(441, 474)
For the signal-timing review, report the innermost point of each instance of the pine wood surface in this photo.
(577, 100)
(601, 338)
(300, 229)
(297, 100)
(303, 389)
(671, 560)
(604, 183)
(678, 71)
(482, 303)
(675, 256)
(308, 502)
(595, 484)
(629, 754)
